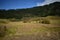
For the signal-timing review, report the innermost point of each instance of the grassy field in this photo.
(47, 28)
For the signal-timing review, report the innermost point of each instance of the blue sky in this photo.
(15, 4)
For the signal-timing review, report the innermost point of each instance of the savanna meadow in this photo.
(36, 23)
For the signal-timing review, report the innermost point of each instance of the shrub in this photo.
(4, 21)
(14, 20)
(3, 31)
(45, 22)
(24, 21)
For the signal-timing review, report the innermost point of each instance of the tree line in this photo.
(52, 9)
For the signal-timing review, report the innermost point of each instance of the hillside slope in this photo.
(46, 10)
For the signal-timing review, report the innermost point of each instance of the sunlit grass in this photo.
(11, 31)
(30, 28)
(4, 21)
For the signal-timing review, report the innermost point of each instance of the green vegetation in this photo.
(11, 31)
(4, 21)
(2, 31)
(41, 11)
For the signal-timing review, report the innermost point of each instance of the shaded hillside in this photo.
(52, 9)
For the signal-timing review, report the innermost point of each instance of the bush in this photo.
(3, 31)
(4, 21)
(14, 20)
(45, 22)
(24, 21)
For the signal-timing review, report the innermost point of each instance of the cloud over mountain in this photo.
(46, 2)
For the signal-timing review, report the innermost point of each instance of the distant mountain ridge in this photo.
(52, 9)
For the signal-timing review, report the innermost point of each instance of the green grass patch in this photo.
(4, 21)
(57, 29)
(11, 30)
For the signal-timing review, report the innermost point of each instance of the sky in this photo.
(19, 4)
(46, 2)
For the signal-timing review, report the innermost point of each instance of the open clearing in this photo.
(32, 31)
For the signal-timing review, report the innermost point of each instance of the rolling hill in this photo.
(52, 9)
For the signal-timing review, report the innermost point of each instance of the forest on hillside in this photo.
(52, 9)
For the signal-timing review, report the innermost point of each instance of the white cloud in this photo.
(47, 2)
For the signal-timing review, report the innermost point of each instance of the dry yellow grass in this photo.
(33, 30)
